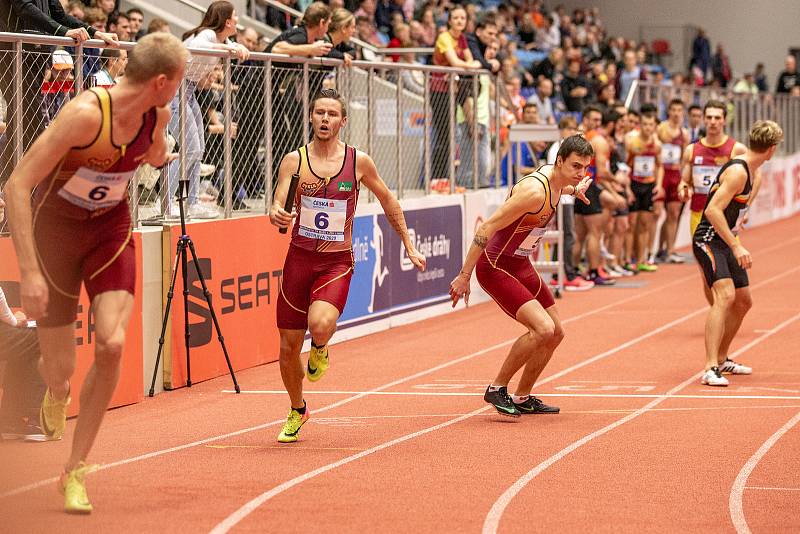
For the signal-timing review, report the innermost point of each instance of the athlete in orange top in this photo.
(79, 231)
(500, 254)
(319, 265)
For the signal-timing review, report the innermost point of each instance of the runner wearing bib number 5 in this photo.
(500, 254)
(79, 231)
(702, 161)
(319, 264)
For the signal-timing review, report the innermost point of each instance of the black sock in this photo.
(317, 346)
(302, 410)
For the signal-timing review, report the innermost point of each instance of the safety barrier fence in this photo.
(234, 121)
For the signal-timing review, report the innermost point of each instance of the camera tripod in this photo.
(184, 243)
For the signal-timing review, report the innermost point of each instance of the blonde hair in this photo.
(764, 135)
(94, 14)
(154, 54)
(340, 18)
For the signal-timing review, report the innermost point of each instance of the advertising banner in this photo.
(242, 264)
(385, 281)
(130, 387)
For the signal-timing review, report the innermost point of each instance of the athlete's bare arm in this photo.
(685, 187)
(277, 215)
(368, 175)
(157, 155)
(732, 182)
(528, 196)
(77, 124)
(602, 150)
(659, 189)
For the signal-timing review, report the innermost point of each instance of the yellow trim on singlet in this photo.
(702, 142)
(105, 110)
(114, 257)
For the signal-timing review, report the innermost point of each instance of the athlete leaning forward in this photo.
(501, 255)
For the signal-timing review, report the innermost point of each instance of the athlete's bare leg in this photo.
(112, 311)
(655, 215)
(57, 346)
(541, 331)
(292, 371)
(670, 226)
(580, 239)
(539, 359)
(322, 317)
(718, 317)
(741, 305)
(594, 230)
(620, 230)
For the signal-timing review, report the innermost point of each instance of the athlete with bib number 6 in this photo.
(500, 254)
(78, 230)
(319, 264)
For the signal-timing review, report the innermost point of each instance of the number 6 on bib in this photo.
(322, 218)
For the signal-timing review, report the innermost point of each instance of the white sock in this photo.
(492, 387)
(519, 399)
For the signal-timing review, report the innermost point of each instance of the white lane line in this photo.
(231, 521)
(770, 489)
(735, 501)
(154, 454)
(492, 520)
(480, 394)
(245, 510)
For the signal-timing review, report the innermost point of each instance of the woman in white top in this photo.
(214, 32)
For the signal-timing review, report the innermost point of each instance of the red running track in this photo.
(400, 439)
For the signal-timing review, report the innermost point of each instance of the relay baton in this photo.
(287, 206)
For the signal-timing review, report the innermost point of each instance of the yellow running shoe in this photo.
(317, 363)
(292, 426)
(53, 416)
(72, 486)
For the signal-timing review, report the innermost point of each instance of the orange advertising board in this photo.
(242, 263)
(129, 389)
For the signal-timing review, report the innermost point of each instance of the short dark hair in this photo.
(530, 105)
(676, 102)
(610, 115)
(648, 107)
(592, 107)
(650, 115)
(716, 104)
(487, 19)
(332, 94)
(575, 144)
(634, 113)
(695, 106)
(134, 10)
(567, 121)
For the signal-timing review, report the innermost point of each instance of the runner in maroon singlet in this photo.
(319, 264)
(500, 254)
(79, 230)
(674, 139)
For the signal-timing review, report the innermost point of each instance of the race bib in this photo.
(703, 176)
(93, 190)
(528, 245)
(670, 154)
(740, 221)
(322, 218)
(644, 166)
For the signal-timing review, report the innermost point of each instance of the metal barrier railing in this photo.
(234, 123)
(743, 109)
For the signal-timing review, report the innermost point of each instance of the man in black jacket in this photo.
(41, 17)
(485, 33)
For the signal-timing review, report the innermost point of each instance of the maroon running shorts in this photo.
(512, 282)
(308, 276)
(96, 251)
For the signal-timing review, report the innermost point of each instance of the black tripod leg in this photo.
(207, 295)
(186, 333)
(180, 250)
